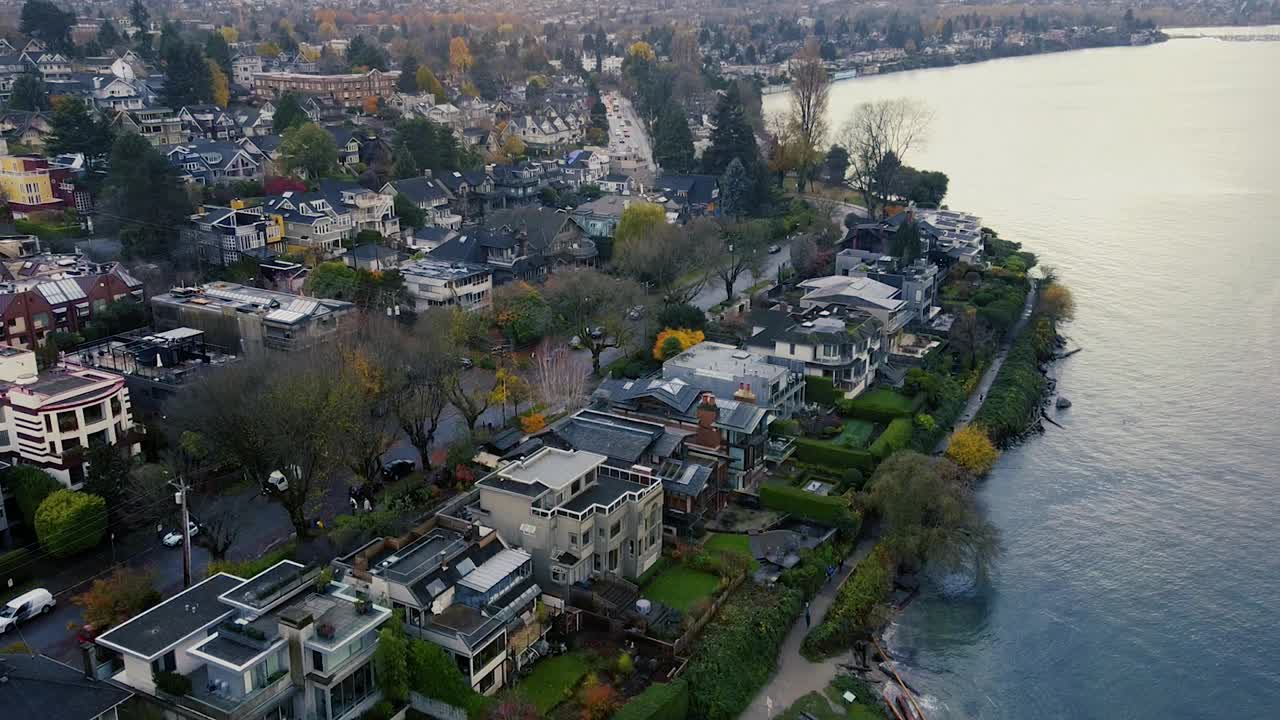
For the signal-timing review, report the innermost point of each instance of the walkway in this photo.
(980, 393)
(796, 676)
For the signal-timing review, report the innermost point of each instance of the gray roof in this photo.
(35, 686)
(606, 490)
(156, 630)
(625, 440)
(685, 479)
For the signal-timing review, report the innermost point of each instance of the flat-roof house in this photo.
(726, 369)
(245, 319)
(844, 345)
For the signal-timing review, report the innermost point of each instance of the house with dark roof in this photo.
(729, 430)
(45, 293)
(310, 221)
(845, 345)
(284, 643)
(209, 122)
(428, 195)
(688, 196)
(469, 191)
(516, 243)
(369, 210)
(208, 162)
(372, 257)
(36, 686)
(225, 235)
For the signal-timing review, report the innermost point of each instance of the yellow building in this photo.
(28, 184)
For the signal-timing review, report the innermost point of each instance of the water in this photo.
(1140, 576)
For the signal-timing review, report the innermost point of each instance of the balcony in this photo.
(211, 700)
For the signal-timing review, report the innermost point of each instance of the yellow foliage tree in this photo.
(1057, 302)
(673, 341)
(642, 50)
(971, 449)
(268, 49)
(460, 55)
(219, 87)
(369, 104)
(470, 90)
(230, 34)
(533, 422)
(427, 82)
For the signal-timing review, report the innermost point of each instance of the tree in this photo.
(593, 306)
(219, 86)
(905, 242)
(875, 131)
(638, 221)
(427, 82)
(733, 136)
(69, 522)
(460, 55)
(217, 50)
(109, 35)
(735, 190)
(922, 187)
(666, 256)
(559, 382)
(187, 77)
(837, 164)
(309, 149)
(810, 88)
(367, 376)
(142, 198)
(48, 23)
(112, 600)
(139, 15)
(673, 341)
(741, 249)
(410, 214)
(428, 362)
(30, 486)
(804, 255)
(391, 661)
(521, 312)
(289, 114)
(147, 497)
(363, 54)
(470, 402)
(509, 388)
(682, 316)
(108, 472)
(76, 130)
(408, 82)
(972, 449)
(430, 146)
(268, 49)
(642, 51)
(28, 93)
(433, 673)
(1057, 302)
(928, 512)
(969, 335)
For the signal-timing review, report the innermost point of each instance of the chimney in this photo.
(744, 394)
(708, 435)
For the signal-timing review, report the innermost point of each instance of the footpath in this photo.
(796, 676)
(979, 393)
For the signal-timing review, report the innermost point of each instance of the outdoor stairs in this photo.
(615, 594)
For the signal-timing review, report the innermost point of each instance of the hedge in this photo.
(70, 522)
(852, 613)
(785, 428)
(880, 405)
(821, 390)
(659, 701)
(172, 683)
(738, 651)
(895, 437)
(1015, 396)
(831, 455)
(819, 508)
(30, 486)
(252, 566)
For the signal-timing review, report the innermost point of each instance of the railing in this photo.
(227, 708)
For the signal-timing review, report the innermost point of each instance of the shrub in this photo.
(738, 651)
(852, 479)
(820, 390)
(119, 596)
(827, 510)
(172, 683)
(971, 449)
(598, 701)
(1015, 396)
(789, 428)
(853, 611)
(253, 566)
(30, 486)
(834, 456)
(382, 711)
(664, 348)
(533, 422)
(625, 664)
(895, 437)
(659, 701)
(925, 422)
(70, 522)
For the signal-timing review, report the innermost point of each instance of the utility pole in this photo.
(181, 499)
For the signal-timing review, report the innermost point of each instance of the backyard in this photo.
(732, 542)
(856, 433)
(552, 680)
(679, 587)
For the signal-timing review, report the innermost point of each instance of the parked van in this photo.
(24, 607)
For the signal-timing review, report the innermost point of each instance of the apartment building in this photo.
(841, 344)
(440, 283)
(917, 283)
(244, 68)
(277, 646)
(573, 513)
(225, 235)
(43, 293)
(245, 319)
(311, 222)
(48, 418)
(458, 586)
(348, 90)
(30, 184)
(369, 210)
(725, 369)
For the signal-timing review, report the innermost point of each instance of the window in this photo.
(613, 559)
(615, 529)
(573, 539)
(67, 421)
(793, 348)
(352, 690)
(164, 663)
(92, 414)
(557, 575)
(631, 548)
(596, 561)
(317, 661)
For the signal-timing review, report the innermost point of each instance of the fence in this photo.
(681, 645)
(434, 708)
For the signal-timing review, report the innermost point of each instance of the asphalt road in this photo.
(714, 294)
(623, 138)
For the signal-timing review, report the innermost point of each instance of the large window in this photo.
(92, 414)
(352, 690)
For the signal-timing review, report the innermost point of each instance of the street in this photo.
(713, 293)
(628, 141)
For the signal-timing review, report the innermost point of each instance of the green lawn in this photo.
(856, 434)
(680, 587)
(816, 705)
(886, 399)
(732, 542)
(552, 680)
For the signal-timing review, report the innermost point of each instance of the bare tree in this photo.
(428, 362)
(677, 262)
(742, 249)
(219, 529)
(810, 89)
(879, 135)
(561, 383)
(368, 367)
(469, 402)
(593, 306)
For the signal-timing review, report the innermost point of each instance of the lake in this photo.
(1140, 574)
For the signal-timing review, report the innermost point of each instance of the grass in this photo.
(680, 587)
(886, 399)
(731, 542)
(831, 707)
(856, 434)
(552, 680)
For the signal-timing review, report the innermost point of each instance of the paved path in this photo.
(989, 377)
(796, 676)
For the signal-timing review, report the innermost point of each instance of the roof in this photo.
(724, 361)
(836, 287)
(492, 572)
(691, 189)
(433, 267)
(419, 189)
(35, 686)
(619, 438)
(685, 479)
(606, 489)
(155, 631)
(373, 252)
(552, 467)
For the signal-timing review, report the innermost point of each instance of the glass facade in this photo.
(351, 691)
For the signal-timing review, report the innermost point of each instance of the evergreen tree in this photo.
(77, 130)
(139, 15)
(108, 35)
(217, 50)
(48, 23)
(408, 82)
(143, 198)
(289, 113)
(28, 93)
(735, 190)
(733, 136)
(187, 77)
(673, 141)
(362, 53)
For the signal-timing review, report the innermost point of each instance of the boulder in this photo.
(1063, 403)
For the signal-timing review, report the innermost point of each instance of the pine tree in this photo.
(672, 141)
(289, 113)
(408, 82)
(187, 77)
(76, 130)
(733, 136)
(735, 190)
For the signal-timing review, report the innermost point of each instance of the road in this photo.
(713, 293)
(627, 136)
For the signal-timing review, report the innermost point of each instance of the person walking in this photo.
(808, 619)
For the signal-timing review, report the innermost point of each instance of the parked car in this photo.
(397, 469)
(173, 538)
(466, 363)
(277, 482)
(636, 312)
(24, 607)
(775, 249)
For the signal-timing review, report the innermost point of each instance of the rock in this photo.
(1063, 403)
(907, 582)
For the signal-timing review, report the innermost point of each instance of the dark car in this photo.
(397, 469)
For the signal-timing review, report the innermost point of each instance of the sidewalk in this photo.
(979, 394)
(796, 676)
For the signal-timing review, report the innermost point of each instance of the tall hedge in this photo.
(880, 405)
(30, 486)
(819, 452)
(895, 437)
(70, 522)
(825, 509)
(1015, 396)
(852, 614)
(738, 651)
(821, 390)
(659, 701)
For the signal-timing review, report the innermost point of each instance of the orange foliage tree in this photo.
(972, 449)
(673, 341)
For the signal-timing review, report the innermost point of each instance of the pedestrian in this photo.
(159, 529)
(808, 620)
(368, 506)
(841, 568)
(355, 507)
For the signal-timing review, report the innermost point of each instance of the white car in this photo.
(173, 538)
(24, 607)
(277, 481)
